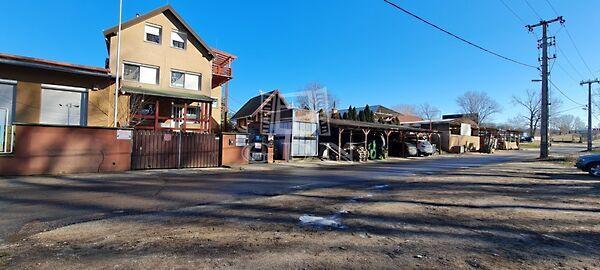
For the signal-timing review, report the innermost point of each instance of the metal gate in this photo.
(173, 150)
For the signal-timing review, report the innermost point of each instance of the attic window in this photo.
(178, 39)
(152, 33)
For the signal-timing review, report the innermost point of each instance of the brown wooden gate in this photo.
(172, 150)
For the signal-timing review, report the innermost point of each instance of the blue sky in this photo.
(363, 51)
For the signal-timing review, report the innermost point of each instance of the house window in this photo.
(140, 73)
(192, 113)
(178, 39)
(215, 103)
(7, 103)
(152, 33)
(185, 80)
(63, 105)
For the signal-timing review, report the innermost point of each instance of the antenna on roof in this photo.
(137, 15)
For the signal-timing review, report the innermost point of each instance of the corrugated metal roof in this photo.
(170, 93)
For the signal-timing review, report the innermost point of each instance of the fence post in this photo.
(179, 150)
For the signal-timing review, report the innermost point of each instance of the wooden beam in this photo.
(366, 131)
(156, 115)
(184, 116)
(340, 130)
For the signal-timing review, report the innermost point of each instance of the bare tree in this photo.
(315, 97)
(428, 111)
(532, 103)
(405, 109)
(567, 123)
(479, 103)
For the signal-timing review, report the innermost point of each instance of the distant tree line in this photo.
(364, 115)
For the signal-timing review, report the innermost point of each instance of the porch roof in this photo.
(170, 93)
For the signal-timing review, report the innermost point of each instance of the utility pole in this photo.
(544, 47)
(589, 109)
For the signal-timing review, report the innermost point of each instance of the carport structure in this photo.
(365, 130)
(507, 139)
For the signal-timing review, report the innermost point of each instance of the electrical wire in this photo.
(578, 52)
(458, 37)
(569, 61)
(570, 109)
(519, 18)
(571, 39)
(563, 93)
(532, 9)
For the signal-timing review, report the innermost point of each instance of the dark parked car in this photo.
(590, 164)
(410, 149)
(526, 139)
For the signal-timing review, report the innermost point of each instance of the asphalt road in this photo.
(33, 204)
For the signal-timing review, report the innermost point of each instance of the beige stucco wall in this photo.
(135, 49)
(29, 92)
(216, 111)
(101, 108)
(28, 102)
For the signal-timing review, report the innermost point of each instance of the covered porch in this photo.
(181, 110)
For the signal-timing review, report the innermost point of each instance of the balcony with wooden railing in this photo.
(221, 67)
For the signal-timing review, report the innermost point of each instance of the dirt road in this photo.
(514, 215)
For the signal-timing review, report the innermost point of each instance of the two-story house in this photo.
(171, 79)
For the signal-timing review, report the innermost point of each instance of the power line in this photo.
(519, 18)
(563, 93)
(457, 37)
(570, 109)
(568, 74)
(577, 50)
(569, 61)
(552, 7)
(532, 9)
(572, 40)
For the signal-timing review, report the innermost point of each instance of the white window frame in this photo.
(140, 76)
(8, 137)
(185, 73)
(160, 33)
(185, 41)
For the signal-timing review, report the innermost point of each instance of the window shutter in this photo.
(192, 81)
(149, 75)
(152, 30)
(176, 36)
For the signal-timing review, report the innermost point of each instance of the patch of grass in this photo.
(532, 145)
(568, 160)
(4, 257)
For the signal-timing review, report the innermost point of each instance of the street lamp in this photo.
(69, 106)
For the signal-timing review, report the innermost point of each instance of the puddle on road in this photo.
(333, 221)
(360, 197)
(382, 186)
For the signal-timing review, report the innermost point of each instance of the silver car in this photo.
(425, 148)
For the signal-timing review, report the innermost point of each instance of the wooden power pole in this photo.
(544, 47)
(589, 111)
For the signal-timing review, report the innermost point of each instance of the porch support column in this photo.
(402, 144)
(351, 147)
(185, 108)
(156, 114)
(209, 117)
(366, 131)
(340, 130)
(387, 142)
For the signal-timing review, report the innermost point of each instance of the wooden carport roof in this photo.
(368, 125)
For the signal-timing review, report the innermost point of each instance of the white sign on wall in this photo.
(465, 129)
(124, 134)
